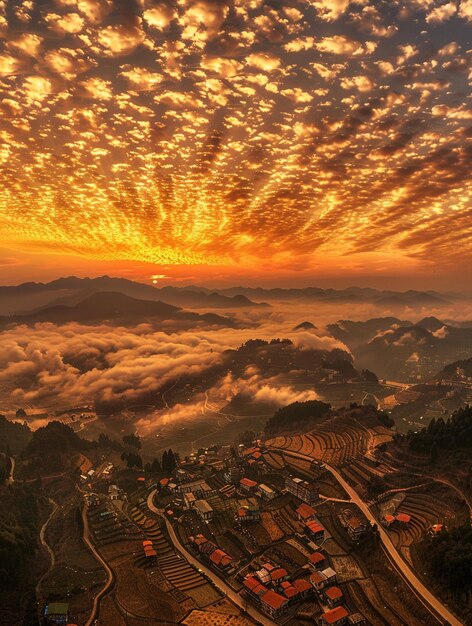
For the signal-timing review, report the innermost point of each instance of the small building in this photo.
(304, 588)
(254, 587)
(115, 493)
(318, 581)
(305, 513)
(248, 485)
(189, 500)
(278, 575)
(315, 530)
(204, 510)
(266, 492)
(334, 596)
(329, 575)
(302, 489)
(355, 528)
(56, 613)
(316, 560)
(221, 560)
(357, 619)
(335, 617)
(289, 590)
(274, 604)
(249, 510)
(403, 519)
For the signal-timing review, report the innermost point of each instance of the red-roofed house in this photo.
(403, 518)
(289, 590)
(304, 587)
(254, 587)
(335, 617)
(315, 530)
(317, 560)
(273, 603)
(334, 596)
(278, 574)
(318, 580)
(355, 528)
(221, 559)
(306, 513)
(248, 485)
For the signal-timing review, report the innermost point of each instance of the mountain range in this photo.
(70, 291)
(115, 307)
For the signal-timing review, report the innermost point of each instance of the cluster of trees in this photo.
(169, 461)
(133, 441)
(297, 415)
(451, 434)
(132, 459)
(13, 436)
(450, 558)
(19, 529)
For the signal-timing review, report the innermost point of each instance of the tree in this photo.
(433, 453)
(247, 437)
(165, 463)
(156, 466)
(132, 440)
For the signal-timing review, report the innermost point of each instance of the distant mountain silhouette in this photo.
(113, 306)
(305, 326)
(71, 290)
(382, 298)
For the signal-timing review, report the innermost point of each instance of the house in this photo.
(317, 560)
(149, 551)
(318, 581)
(115, 493)
(189, 500)
(403, 519)
(204, 510)
(330, 575)
(355, 528)
(278, 574)
(335, 617)
(305, 513)
(274, 604)
(334, 596)
(266, 492)
(303, 586)
(315, 530)
(254, 587)
(388, 519)
(248, 485)
(221, 560)
(249, 510)
(289, 590)
(228, 491)
(56, 613)
(308, 492)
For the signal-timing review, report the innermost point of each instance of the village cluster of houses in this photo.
(212, 554)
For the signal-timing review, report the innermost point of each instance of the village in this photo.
(244, 530)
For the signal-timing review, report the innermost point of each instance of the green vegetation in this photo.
(298, 415)
(14, 436)
(454, 433)
(450, 558)
(19, 527)
(132, 441)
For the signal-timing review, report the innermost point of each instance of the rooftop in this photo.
(273, 599)
(333, 616)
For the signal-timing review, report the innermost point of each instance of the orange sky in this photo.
(237, 141)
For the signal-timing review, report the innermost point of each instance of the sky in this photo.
(248, 141)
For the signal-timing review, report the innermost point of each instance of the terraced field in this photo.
(338, 442)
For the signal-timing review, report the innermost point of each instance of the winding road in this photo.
(421, 591)
(110, 580)
(42, 539)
